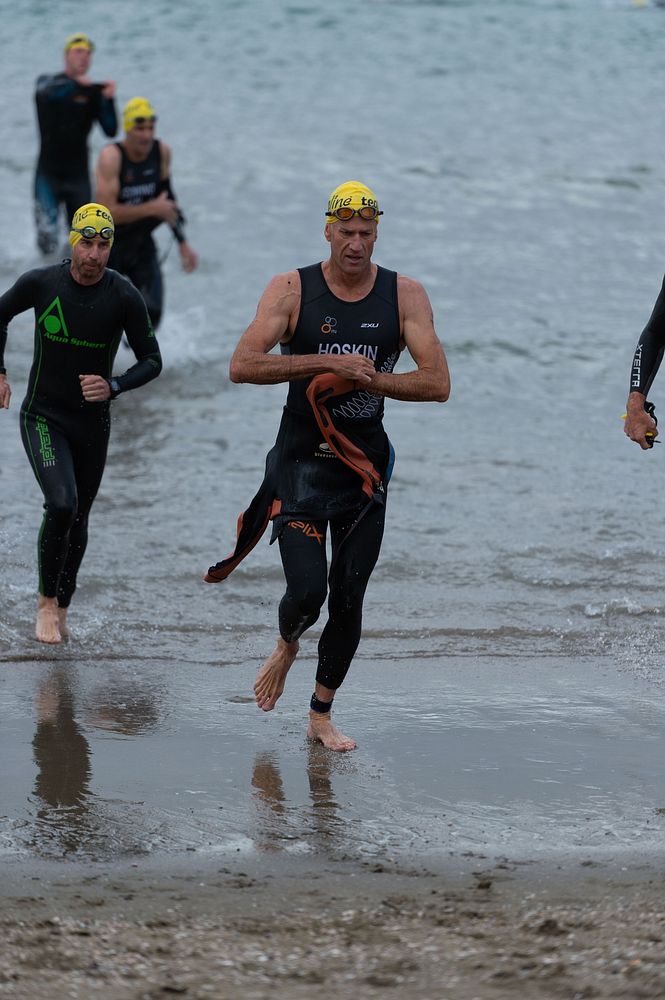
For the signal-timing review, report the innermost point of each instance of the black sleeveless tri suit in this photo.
(329, 469)
(134, 252)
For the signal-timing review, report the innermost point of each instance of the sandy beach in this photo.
(490, 932)
(175, 841)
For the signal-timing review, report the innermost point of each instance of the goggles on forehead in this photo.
(345, 212)
(89, 232)
(142, 120)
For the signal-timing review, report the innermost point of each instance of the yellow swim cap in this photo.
(138, 107)
(91, 216)
(79, 41)
(353, 195)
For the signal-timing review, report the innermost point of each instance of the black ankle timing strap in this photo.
(323, 707)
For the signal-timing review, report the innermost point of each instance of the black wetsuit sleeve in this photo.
(17, 299)
(141, 338)
(107, 115)
(178, 229)
(650, 348)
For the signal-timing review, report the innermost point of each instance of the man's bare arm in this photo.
(276, 316)
(107, 177)
(431, 379)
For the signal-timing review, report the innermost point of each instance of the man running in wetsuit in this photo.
(640, 425)
(133, 179)
(81, 310)
(341, 325)
(68, 105)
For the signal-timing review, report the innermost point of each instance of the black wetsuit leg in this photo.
(302, 546)
(67, 454)
(355, 550)
(139, 261)
(47, 200)
(50, 192)
(75, 192)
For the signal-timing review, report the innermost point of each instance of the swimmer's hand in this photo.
(356, 367)
(164, 208)
(640, 421)
(5, 392)
(188, 257)
(95, 388)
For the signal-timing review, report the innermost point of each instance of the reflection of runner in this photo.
(81, 310)
(342, 325)
(133, 179)
(68, 105)
(62, 756)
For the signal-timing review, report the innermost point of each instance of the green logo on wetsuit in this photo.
(52, 322)
(46, 449)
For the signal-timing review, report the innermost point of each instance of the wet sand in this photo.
(494, 930)
(160, 836)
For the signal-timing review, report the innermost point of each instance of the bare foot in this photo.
(271, 678)
(47, 628)
(62, 622)
(321, 729)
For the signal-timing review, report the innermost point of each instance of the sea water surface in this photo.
(508, 693)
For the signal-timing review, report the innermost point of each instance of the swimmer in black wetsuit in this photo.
(81, 310)
(68, 105)
(133, 179)
(640, 426)
(342, 325)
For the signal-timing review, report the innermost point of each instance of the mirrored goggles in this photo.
(346, 212)
(89, 232)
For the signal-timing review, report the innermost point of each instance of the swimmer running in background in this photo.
(134, 180)
(81, 310)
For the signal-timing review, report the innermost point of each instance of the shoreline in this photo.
(266, 928)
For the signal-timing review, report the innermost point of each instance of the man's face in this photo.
(351, 243)
(77, 61)
(89, 258)
(140, 137)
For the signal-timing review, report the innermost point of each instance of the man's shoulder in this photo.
(45, 273)
(111, 151)
(47, 81)
(286, 281)
(121, 284)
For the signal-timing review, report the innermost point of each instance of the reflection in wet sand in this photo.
(281, 826)
(68, 817)
(62, 756)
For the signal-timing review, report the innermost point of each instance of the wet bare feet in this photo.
(321, 729)
(47, 628)
(62, 622)
(271, 678)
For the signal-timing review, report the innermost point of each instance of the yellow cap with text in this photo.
(350, 194)
(92, 215)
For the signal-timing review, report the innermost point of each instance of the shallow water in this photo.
(514, 622)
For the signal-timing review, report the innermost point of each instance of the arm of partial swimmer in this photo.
(5, 392)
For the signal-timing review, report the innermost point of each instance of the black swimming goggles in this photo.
(141, 120)
(345, 212)
(89, 233)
